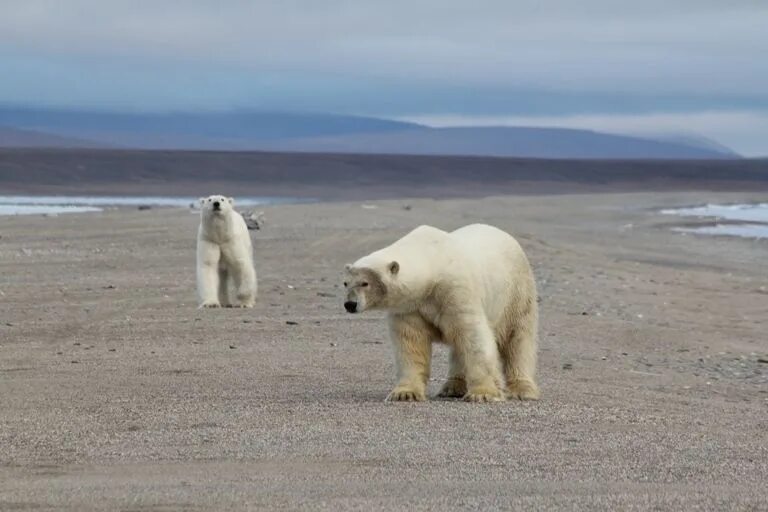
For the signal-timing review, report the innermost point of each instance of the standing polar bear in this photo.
(225, 273)
(471, 288)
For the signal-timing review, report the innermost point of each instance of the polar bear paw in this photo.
(484, 394)
(522, 390)
(453, 388)
(406, 394)
(210, 304)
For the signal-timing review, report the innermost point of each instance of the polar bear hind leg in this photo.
(456, 384)
(517, 348)
(472, 337)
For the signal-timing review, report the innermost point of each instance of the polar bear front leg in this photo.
(473, 338)
(412, 340)
(208, 255)
(244, 282)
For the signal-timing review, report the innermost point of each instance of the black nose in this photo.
(350, 306)
(216, 205)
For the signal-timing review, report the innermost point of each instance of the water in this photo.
(54, 205)
(754, 215)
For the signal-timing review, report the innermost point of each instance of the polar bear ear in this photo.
(348, 266)
(393, 268)
(231, 200)
(202, 201)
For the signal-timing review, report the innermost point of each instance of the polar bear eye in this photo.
(363, 284)
(346, 284)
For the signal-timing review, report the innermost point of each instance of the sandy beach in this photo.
(117, 393)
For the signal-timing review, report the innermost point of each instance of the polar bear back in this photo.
(497, 264)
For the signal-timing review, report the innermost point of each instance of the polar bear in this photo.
(473, 289)
(225, 273)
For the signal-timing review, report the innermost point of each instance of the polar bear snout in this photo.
(216, 205)
(350, 306)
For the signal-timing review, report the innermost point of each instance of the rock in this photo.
(567, 366)
(291, 322)
(407, 207)
(763, 360)
(143, 207)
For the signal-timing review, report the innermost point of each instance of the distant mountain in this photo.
(504, 142)
(696, 141)
(16, 138)
(303, 132)
(235, 126)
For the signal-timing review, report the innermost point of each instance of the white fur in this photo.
(473, 289)
(225, 273)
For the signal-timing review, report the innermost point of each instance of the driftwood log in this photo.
(253, 219)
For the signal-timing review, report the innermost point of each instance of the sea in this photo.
(55, 205)
(753, 217)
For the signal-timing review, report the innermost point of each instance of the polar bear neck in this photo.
(218, 228)
(414, 278)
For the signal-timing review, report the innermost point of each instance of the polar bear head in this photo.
(216, 206)
(371, 286)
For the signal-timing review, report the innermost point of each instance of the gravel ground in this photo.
(116, 393)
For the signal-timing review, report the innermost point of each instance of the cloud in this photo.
(699, 46)
(743, 131)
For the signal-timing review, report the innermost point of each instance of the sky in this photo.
(625, 66)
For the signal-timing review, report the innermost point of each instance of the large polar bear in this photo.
(225, 273)
(471, 288)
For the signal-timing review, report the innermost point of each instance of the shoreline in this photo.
(693, 218)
